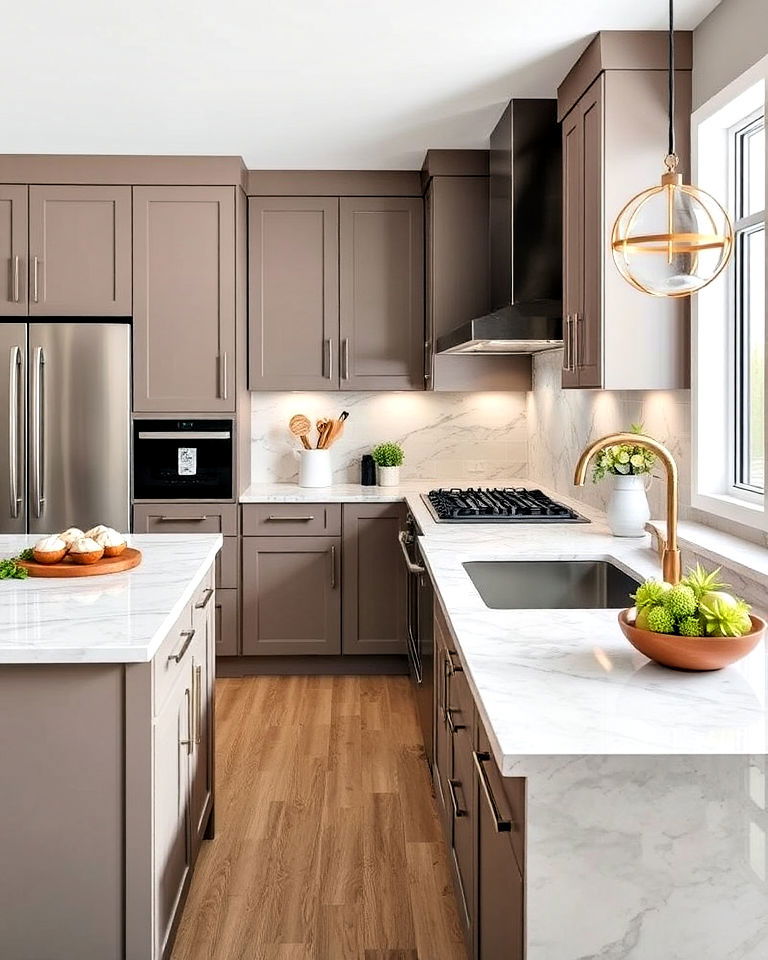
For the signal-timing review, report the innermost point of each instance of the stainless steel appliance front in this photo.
(65, 416)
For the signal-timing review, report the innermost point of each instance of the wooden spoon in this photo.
(324, 434)
(321, 425)
(300, 426)
(337, 427)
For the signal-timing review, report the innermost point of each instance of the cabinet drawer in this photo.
(291, 519)
(172, 658)
(185, 518)
(227, 634)
(505, 797)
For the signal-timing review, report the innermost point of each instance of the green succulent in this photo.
(702, 582)
(660, 620)
(680, 601)
(723, 618)
(691, 627)
(650, 593)
(388, 454)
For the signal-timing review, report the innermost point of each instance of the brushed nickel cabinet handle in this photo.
(223, 376)
(35, 272)
(345, 358)
(189, 742)
(329, 358)
(412, 567)
(577, 318)
(501, 825)
(197, 682)
(567, 344)
(333, 568)
(457, 811)
(14, 415)
(206, 599)
(453, 727)
(273, 518)
(178, 657)
(16, 287)
(166, 519)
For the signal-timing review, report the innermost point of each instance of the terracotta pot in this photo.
(692, 653)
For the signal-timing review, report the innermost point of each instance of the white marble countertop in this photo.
(120, 618)
(566, 682)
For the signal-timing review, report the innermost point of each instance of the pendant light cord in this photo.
(671, 79)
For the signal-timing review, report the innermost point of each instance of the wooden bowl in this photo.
(692, 653)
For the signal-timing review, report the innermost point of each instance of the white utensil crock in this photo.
(388, 476)
(628, 510)
(315, 468)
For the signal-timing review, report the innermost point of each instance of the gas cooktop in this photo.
(497, 505)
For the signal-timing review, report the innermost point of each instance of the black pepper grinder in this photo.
(367, 471)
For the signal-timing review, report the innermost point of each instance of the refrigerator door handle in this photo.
(36, 448)
(14, 416)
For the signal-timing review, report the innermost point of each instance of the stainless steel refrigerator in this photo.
(64, 425)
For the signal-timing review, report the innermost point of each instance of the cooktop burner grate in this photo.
(497, 505)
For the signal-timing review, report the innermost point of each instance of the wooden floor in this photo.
(328, 845)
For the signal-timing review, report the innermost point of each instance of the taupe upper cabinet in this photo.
(613, 108)
(293, 245)
(184, 299)
(79, 251)
(381, 284)
(336, 293)
(13, 250)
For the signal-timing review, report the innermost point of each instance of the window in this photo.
(748, 305)
(729, 349)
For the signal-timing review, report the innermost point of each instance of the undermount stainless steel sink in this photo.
(551, 584)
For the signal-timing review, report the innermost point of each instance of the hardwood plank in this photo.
(328, 845)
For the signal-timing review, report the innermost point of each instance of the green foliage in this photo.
(623, 459)
(691, 627)
(680, 601)
(702, 582)
(724, 619)
(11, 570)
(660, 620)
(388, 454)
(650, 593)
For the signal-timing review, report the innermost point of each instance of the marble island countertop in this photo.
(566, 682)
(120, 618)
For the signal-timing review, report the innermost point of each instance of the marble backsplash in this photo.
(444, 435)
(562, 422)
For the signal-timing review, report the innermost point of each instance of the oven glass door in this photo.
(182, 459)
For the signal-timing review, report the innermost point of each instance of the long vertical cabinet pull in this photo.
(223, 387)
(577, 318)
(35, 278)
(329, 358)
(567, 344)
(190, 738)
(14, 415)
(345, 358)
(38, 495)
(197, 683)
(333, 568)
(16, 286)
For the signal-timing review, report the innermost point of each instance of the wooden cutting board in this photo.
(67, 568)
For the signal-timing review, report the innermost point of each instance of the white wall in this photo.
(725, 44)
(444, 435)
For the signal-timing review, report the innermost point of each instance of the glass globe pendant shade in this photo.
(673, 239)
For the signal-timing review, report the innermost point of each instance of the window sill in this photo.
(728, 507)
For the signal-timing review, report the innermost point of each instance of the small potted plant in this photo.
(388, 458)
(629, 466)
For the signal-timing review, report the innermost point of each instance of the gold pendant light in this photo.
(673, 239)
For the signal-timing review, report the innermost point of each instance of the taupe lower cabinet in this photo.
(483, 815)
(613, 132)
(373, 578)
(336, 293)
(65, 251)
(291, 595)
(184, 299)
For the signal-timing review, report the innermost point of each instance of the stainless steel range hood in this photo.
(525, 238)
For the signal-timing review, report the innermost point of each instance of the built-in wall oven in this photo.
(183, 459)
(419, 600)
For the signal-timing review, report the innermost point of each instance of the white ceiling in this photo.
(290, 83)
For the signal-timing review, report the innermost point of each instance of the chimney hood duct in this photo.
(525, 238)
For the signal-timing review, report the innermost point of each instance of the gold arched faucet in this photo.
(670, 554)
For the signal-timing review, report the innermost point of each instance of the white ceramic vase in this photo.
(628, 510)
(315, 468)
(388, 476)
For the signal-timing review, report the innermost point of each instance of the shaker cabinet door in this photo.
(374, 579)
(589, 321)
(13, 250)
(291, 590)
(184, 299)
(573, 243)
(381, 283)
(79, 251)
(293, 293)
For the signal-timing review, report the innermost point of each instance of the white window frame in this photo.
(712, 370)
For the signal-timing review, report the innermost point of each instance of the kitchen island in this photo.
(106, 752)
